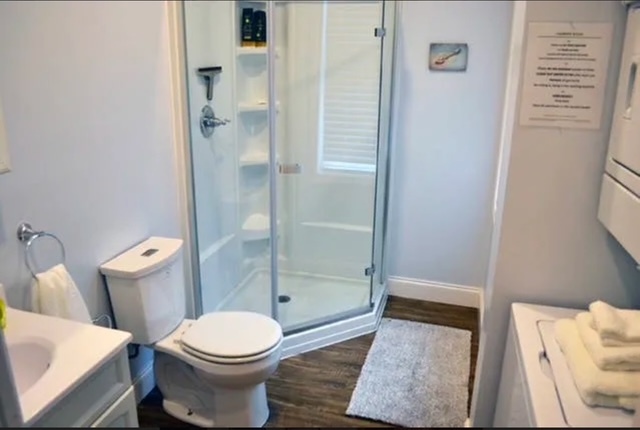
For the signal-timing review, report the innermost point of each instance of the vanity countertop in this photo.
(77, 351)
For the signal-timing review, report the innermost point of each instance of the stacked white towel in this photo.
(602, 348)
(606, 357)
(616, 327)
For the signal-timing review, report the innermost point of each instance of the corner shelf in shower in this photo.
(248, 50)
(245, 107)
(254, 159)
(255, 2)
(252, 113)
(242, 51)
(260, 3)
(256, 227)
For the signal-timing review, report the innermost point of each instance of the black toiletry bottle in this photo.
(246, 27)
(260, 28)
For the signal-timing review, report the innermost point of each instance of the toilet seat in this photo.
(232, 337)
(225, 360)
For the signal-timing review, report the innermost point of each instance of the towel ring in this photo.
(27, 235)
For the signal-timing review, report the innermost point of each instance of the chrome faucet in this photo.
(214, 122)
(209, 121)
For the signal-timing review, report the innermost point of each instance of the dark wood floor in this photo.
(314, 389)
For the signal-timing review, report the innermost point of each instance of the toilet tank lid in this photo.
(144, 258)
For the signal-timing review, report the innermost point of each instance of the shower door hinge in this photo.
(369, 271)
(380, 32)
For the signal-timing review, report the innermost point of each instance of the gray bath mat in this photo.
(415, 375)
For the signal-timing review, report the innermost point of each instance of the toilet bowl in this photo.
(212, 370)
(218, 388)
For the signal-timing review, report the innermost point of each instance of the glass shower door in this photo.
(327, 63)
(285, 193)
(230, 167)
(214, 169)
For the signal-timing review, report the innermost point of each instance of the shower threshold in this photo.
(314, 310)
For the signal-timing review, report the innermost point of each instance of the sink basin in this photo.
(30, 359)
(50, 357)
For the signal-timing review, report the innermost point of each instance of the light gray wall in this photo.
(85, 89)
(552, 249)
(445, 141)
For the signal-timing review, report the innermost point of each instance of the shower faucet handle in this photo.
(215, 122)
(209, 121)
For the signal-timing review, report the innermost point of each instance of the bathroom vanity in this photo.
(69, 374)
(105, 399)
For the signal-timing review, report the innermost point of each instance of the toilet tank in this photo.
(146, 288)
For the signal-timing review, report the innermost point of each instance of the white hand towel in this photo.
(606, 357)
(616, 327)
(596, 387)
(54, 293)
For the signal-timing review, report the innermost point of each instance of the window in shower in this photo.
(349, 88)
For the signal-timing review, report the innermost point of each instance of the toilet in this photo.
(212, 370)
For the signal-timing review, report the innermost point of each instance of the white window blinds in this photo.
(350, 86)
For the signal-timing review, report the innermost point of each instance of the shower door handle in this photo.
(290, 169)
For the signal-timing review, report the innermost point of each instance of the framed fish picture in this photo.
(448, 57)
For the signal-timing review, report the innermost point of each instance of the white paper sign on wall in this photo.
(565, 74)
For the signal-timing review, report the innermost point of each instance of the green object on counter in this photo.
(3, 314)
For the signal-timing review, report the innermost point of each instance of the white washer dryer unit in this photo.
(536, 387)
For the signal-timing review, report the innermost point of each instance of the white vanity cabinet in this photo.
(105, 399)
(122, 413)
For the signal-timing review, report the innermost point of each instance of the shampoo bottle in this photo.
(246, 28)
(260, 28)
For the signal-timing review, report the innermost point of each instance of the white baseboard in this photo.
(438, 292)
(144, 382)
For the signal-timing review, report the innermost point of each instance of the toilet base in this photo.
(242, 408)
(190, 396)
(236, 408)
(183, 413)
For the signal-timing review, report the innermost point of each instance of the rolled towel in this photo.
(616, 327)
(596, 387)
(606, 357)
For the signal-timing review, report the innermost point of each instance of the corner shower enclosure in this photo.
(289, 161)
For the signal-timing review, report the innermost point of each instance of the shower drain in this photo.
(283, 298)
